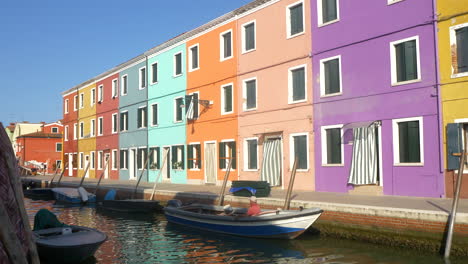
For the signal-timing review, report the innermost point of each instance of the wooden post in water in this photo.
(223, 187)
(139, 178)
(287, 199)
(159, 175)
(61, 175)
(84, 175)
(51, 181)
(102, 174)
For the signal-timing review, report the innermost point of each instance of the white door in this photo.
(70, 164)
(132, 164)
(106, 164)
(210, 163)
(166, 169)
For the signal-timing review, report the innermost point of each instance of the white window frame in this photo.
(81, 100)
(290, 84)
(229, 153)
(81, 135)
(114, 160)
(246, 154)
(180, 157)
(125, 160)
(56, 128)
(463, 121)
(75, 102)
(291, 150)
(92, 158)
(391, 2)
(190, 57)
(115, 123)
(157, 107)
(56, 145)
(93, 127)
(100, 93)
(288, 19)
(244, 49)
(174, 73)
(126, 119)
(124, 84)
(65, 133)
(320, 14)
(175, 110)
(157, 73)
(453, 43)
(115, 88)
(195, 155)
(140, 85)
(223, 99)
(92, 96)
(100, 156)
(396, 141)
(322, 76)
(323, 138)
(100, 126)
(221, 45)
(393, 61)
(66, 106)
(75, 131)
(244, 94)
(144, 125)
(196, 104)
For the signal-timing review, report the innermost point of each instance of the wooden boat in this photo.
(285, 224)
(72, 195)
(55, 245)
(44, 194)
(132, 205)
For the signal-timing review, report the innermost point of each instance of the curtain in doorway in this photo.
(364, 165)
(210, 167)
(271, 165)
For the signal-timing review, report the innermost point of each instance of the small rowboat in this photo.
(285, 224)
(132, 205)
(68, 245)
(44, 194)
(73, 195)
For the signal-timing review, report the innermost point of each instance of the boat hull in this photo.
(70, 195)
(44, 194)
(132, 205)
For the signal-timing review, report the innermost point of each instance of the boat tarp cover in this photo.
(236, 189)
(46, 219)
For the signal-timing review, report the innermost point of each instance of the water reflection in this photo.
(139, 238)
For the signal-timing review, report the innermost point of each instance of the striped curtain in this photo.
(364, 163)
(271, 166)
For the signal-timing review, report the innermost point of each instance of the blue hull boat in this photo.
(72, 195)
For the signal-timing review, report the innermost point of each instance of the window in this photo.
(295, 19)
(81, 100)
(191, 109)
(100, 93)
(154, 156)
(93, 160)
(75, 103)
(194, 57)
(75, 161)
(142, 117)
(404, 56)
(328, 11)
(177, 157)
(65, 134)
(154, 73)
(178, 104)
(114, 159)
(66, 106)
(81, 160)
(75, 131)
(227, 151)
(115, 88)
(123, 121)
(99, 160)
(330, 76)
(250, 94)
(55, 130)
(93, 97)
(178, 64)
(408, 141)
(459, 44)
(93, 128)
(154, 114)
(250, 154)
(248, 34)
(226, 45)
(297, 84)
(299, 149)
(123, 158)
(124, 83)
(81, 130)
(100, 126)
(194, 156)
(226, 99)
(142, 83)
(114, 123)
(58, 147)
(332, 148)
(141, 158)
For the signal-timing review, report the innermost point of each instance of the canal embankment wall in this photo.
(407, 222)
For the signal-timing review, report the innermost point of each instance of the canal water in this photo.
(145, 239)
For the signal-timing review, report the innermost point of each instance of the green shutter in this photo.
(233, 155)
(329, 10)
(139, 117)
(182, 149)
(250, 36)
(173, 155)
(155, 72)
(298, 82)
(411, 58)
(198, 147)
(454, 145)
(126, 121)
(194, 57)
(155, 114)
(121, 159)
(222, 155)
(300, 151)
(190, 156)
(462, 49)
(252, 154)
(228, 98)
(296, 19)
(227, 45)
(333, 145)
(251, 94)
(332, 76)
(409, 144)
(178, 62)
(195, 105)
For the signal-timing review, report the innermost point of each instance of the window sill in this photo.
(298, 101)
(408, 164)
(329, 23)
(194, 169)
(250, 110)
(295, 35)
(178, 75)
(406, 82)
(250, 169)
(195, 69)
(123, 94)
(114, 169)
(225, 59)
(154, 125)
(333, 165)
(300, 170)
(177, 122)
(390, 2)
(227, 113)
(248, 51)
(154, 83)
(459, 75)
(230, 170)
(330, 95)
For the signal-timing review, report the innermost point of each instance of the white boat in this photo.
(73, 195)
(285, 224)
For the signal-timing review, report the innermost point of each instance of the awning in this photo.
(361, 124)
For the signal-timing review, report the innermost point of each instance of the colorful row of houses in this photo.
(360, 94)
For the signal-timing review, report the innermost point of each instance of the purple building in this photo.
(376, 104)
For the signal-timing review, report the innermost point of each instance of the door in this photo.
(166, 167)
(106, 164)
(271, 163)
(86, 166)
(132, 166)
(210, 161)
(70, 165)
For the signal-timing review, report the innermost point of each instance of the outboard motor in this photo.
(174, 203)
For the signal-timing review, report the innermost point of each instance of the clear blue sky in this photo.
(49, 46)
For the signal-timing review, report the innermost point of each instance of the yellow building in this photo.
(453, 65)
(87, 130)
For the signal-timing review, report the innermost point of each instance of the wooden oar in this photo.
(55, 174)
(287, 200)
(139, 178)
(223, 188)
(102, 174)
(84, 175)
(159, 175)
